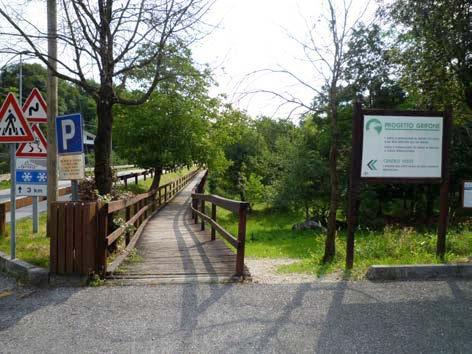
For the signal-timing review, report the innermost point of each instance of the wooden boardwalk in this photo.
(173, 249)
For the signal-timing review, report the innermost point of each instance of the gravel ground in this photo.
(264, 271)
(336, 317)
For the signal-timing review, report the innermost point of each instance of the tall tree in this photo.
(105, 38)
(173, 123)
(327, 57)
(436, 37)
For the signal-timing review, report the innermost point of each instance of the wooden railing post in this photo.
(136, 178)
(165, 194)
(196, 207)
(213, 216)
(101, 250)
(202, 209)
(125, 180)
(127, 217)
(241, 239)
(160, 196)
(3, 219)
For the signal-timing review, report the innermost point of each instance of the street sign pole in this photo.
(75, 190)
(35, 199)
(12, 201)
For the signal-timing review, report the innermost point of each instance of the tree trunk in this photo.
(330, 244)
(156, 179)
(103, 173)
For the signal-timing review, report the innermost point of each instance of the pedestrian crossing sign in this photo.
(13, 125)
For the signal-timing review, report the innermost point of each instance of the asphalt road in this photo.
(343, 317)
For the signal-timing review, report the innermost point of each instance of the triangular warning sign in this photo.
(36, 148)
(35, 109)
(13, 125)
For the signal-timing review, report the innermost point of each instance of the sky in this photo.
(250, 37)
(255, 35)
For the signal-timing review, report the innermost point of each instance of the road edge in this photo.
(24, 271)
(419, 272)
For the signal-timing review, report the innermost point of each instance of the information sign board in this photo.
(31, 176)
(467, 195)
(402, 146)
(71, 166)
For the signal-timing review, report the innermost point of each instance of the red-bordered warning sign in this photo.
(13, 126)
(35, 109)
(37, 148)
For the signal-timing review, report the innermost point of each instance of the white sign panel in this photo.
(71, 166)
(31, 177)
(402, 147)
(467, 195)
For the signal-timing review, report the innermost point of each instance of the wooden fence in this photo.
(84, 233)
(27, 201)
(241, 208)
(135, 176)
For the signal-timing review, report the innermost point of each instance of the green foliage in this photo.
(170, 130)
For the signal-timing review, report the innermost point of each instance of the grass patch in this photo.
(32, 248)
(143, 186)
(5, 184)
(270, 235)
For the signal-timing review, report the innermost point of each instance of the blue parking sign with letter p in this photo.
(69, 135)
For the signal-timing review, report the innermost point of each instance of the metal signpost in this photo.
(13, 129)
(70, 149)
(399, 147)
(35, 111)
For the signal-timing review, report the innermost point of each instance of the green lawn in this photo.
(32, 248)
(270, 235)
(5, 184)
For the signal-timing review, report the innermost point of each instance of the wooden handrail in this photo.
(199, 199)
(139, 208)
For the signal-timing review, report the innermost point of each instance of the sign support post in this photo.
(354, 184)
(12, 201)
(75, 190)
(444, 192)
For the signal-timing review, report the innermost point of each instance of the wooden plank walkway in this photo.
(173, 249)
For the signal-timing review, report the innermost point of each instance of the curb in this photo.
(419, 272)
(24, 271)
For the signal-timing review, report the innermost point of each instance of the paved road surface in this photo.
(344, 317)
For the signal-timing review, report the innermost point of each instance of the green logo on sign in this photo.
(371, 165)
(374, 126)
